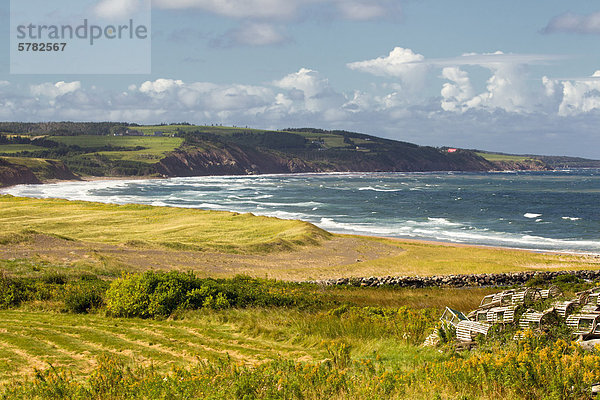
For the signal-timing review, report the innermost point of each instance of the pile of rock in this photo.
(502, 279)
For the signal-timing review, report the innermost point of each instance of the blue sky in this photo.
(513, 76)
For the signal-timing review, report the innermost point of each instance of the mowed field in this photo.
(152, 148)
(34, 339)
(15, 148)
(38, 335)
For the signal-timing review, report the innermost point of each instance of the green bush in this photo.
(14, 291)
(159, 294)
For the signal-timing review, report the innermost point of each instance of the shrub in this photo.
(154, 294)
(54, 278)
(82, 297)
(14, 291)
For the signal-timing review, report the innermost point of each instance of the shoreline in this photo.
(426, 241)
(150, 177)
(473, 245)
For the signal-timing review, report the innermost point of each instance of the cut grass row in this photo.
(33, 339)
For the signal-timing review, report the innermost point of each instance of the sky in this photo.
(508, 76)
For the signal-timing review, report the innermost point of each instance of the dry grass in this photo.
(112, 238)
(147, 226)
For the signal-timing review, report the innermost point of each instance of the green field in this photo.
(503, 157)
(42, 168)
(33, 163)
(34, 339)
(154, 148)
(329, 140)
(16, 148)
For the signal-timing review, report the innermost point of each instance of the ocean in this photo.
(557, 210)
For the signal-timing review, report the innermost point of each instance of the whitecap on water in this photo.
(531, 215)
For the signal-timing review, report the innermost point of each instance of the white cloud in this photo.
(549, 86)
(239, 8)
(117, 8)
(510, 114)
(401, 63)
(574, 23)
(286, 9)
(159, 86)
(54, 90)
(506, 89)
(308, 91)
(252, 34)
(368, 10)
(580, 96)
(455, 94)
(494, 59)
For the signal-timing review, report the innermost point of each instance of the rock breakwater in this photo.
(462, 280)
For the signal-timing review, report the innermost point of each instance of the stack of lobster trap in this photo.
(581, 314)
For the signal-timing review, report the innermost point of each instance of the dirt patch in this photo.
(332, 257)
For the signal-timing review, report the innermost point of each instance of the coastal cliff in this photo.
(12, 174)
(16, 171)
(231, 159)
(525, 165)
(70, 150)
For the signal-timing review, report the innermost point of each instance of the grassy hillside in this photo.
(133, 148)
(17, 148)
(120, 149)
(108, 149)
(148, 226)
(502, 157)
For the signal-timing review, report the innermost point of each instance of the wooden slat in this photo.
(501, 315)
(574, 322)
(563, 307)
(466, 330)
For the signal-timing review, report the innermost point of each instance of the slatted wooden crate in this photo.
(525, 296)
(590, 309)
(466, 331)
(433, 339)
(583, 324)
(533, 318)
(564, 308)
(501, 315)
(551, 292)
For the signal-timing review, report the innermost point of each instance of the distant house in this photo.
(133, 132)
(452, 150)
(158, 133)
